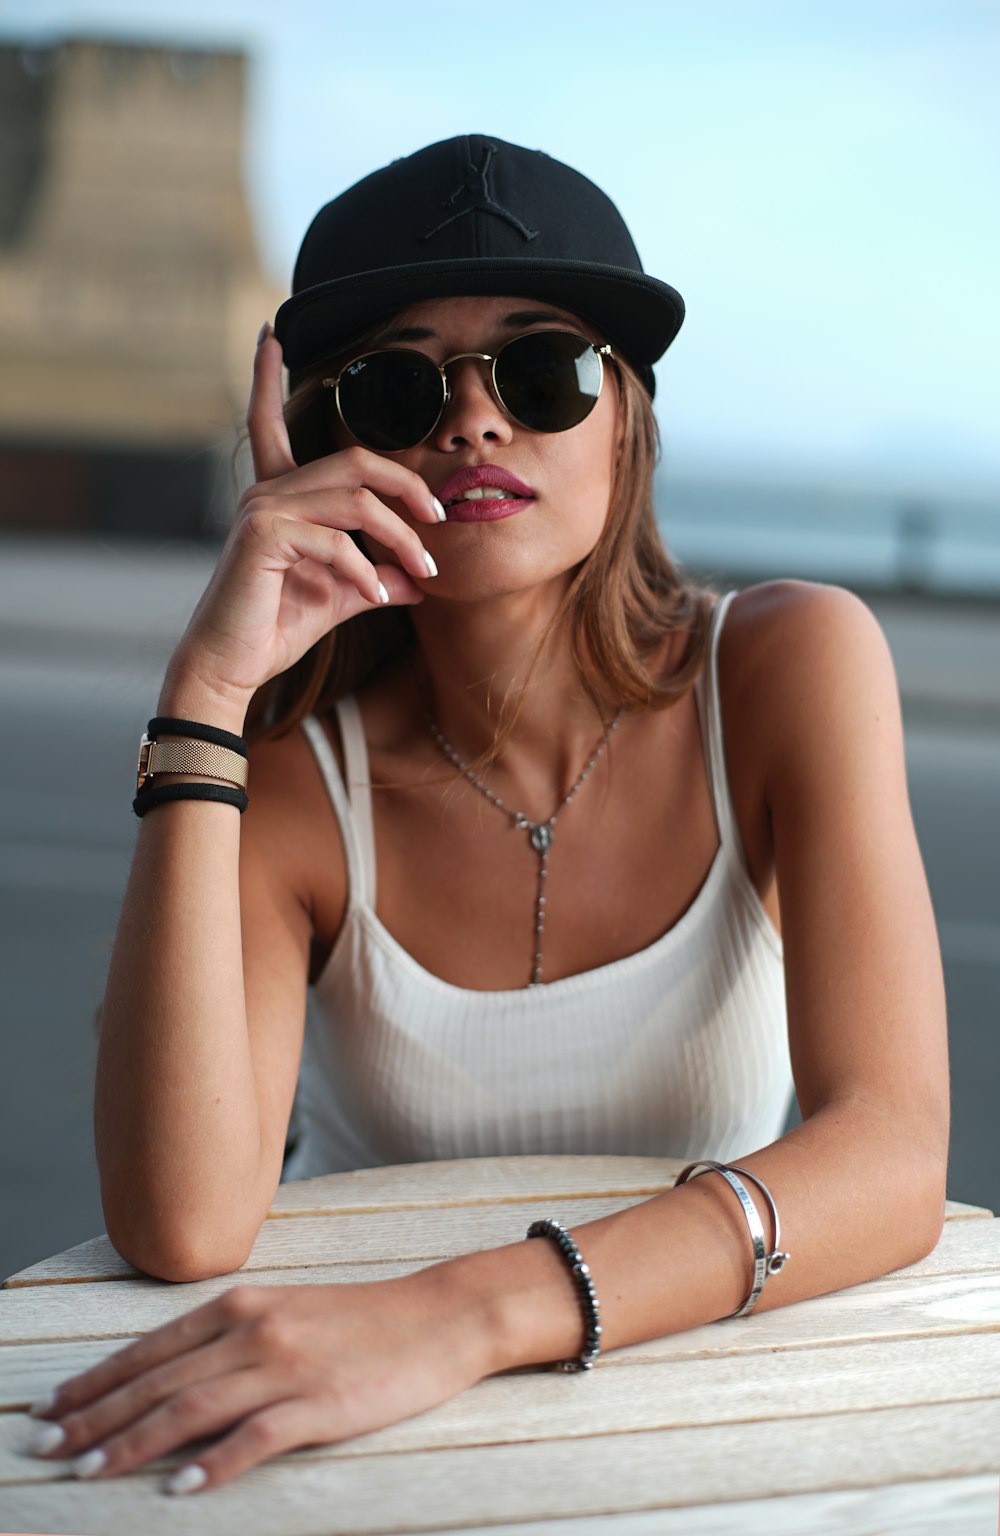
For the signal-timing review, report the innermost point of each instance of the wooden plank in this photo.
(446, 1232)
(413, 1186)
(963, 1504)
(29, 1371)
(665, 1395)
(954, 1210)
(930, 1306)
(94, 1259)
(487, 1486)
(965, 1245)
(473, 1181)
(434, 1232)
(902, 1306)
(301, 1200)
(38, 1314)
(421, 1186)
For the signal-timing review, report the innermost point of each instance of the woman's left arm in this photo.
(859, 1185)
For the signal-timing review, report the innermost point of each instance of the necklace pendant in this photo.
(541, 833)
(541, 837)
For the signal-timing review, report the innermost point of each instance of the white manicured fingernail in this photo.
(383, 595)
(439, 509)
(43, 1405)
(263, 332)
(46, 1439)
(188, 1479)
(432, 569)
(90, 1463)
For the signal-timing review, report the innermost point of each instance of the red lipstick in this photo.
(487, 508)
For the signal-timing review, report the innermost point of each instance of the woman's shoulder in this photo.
(799, 660)
(773, 608)
(783, 631)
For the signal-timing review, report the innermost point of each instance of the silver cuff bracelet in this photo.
(764, 1264)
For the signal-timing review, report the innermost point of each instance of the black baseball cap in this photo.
(473, 215)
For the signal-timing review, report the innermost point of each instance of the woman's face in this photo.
(570, 473)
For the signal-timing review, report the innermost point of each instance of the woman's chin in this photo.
(514, 582)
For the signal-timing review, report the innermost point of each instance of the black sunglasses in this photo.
(547, 381)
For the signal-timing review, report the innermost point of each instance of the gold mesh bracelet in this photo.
(178, 754)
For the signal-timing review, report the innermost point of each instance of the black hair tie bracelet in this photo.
(588, 1297)
(164, 725)
(148, 799)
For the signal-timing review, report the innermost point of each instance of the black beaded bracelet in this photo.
(148, 799)
(588, 1296)
(165, 725)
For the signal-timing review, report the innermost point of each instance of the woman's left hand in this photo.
(269, 1369)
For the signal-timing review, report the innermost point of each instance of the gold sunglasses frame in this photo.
(602, 349)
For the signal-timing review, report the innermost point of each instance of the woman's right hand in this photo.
(289, 571)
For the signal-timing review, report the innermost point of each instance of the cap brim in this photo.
(638, 313)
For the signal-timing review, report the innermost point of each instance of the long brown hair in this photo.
(623, 600)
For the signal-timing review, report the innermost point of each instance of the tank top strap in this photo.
(359, 786)
(710, 717)
(360, 877)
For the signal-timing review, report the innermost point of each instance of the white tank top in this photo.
(679, 1050)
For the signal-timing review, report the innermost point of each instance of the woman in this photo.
(583, 786)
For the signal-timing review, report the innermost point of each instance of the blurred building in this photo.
(131, 289)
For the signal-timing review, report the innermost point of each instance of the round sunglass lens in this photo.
(549, 380)
(390, 400)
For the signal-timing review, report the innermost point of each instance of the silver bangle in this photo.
(753, 1222)
(776, 1260)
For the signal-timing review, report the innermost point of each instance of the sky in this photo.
(820, 181)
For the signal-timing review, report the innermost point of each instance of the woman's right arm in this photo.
(202, 1018)
(201, 1028)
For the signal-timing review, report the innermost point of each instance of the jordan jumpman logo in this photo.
(476, 195)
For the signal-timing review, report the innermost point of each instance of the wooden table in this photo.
(873, 1409)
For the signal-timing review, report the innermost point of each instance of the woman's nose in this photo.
(473, 412)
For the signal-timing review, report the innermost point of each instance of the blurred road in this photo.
(85, 632)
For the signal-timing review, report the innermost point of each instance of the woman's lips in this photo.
(487, 510)
(476, 476)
